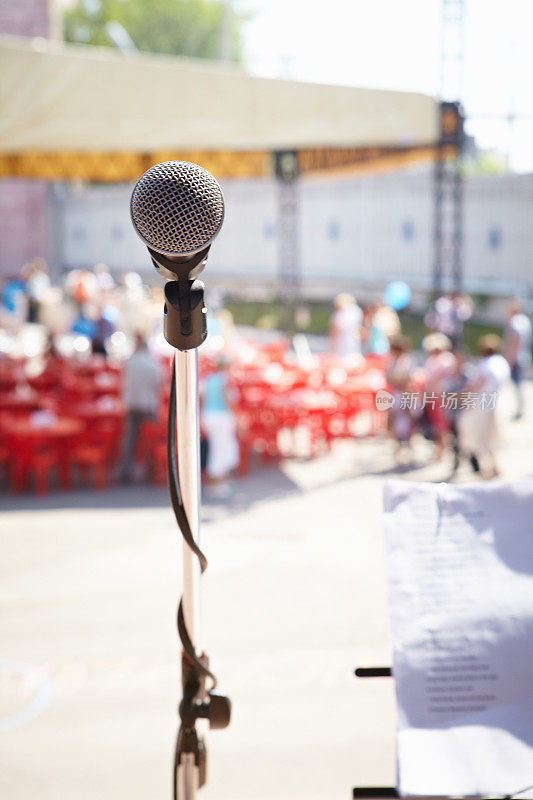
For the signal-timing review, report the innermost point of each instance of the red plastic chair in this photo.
(257, 429)
(95, 451)
(151, 449)
(36, 455)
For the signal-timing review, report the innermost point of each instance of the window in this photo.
(408, 230)
(494, 238)
(78, 234)
(334, 231)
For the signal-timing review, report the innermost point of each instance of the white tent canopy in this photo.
(71, 98)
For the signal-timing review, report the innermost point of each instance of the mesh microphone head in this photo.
(177, 208)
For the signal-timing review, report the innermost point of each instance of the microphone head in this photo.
(177, 208)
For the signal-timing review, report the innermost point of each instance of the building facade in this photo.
(359, 230)
(24, 204)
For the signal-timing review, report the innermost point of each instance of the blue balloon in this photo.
(10, 294)
(397, 295)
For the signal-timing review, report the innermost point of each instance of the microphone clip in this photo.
(180, 267)
(185, 324)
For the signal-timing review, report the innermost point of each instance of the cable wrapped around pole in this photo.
(183, 523)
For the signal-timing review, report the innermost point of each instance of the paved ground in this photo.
(294, 599)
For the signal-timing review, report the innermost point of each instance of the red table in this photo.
(34, 446)
(99, 409)
(19, 403)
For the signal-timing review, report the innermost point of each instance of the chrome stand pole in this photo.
(185, 330)
(188, 433)
(188, 436)
(187, 777)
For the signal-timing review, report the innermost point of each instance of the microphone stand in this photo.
(188, 435)
(185, 329)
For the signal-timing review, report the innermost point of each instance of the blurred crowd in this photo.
(58, 342)
(84, 310)
(448, 398)
(99, 339)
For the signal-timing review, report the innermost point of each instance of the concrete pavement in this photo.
(294, 598)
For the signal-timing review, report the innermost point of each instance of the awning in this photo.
(68, 107)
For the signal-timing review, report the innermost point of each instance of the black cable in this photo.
(185, 528)
(173, 477)
(189, 652)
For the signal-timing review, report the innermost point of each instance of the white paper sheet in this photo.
(460, 574)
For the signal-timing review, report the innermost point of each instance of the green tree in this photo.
(196, 28)
(487, 162)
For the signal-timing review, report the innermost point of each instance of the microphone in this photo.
(177, 209)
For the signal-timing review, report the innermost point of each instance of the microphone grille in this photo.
(177, 208)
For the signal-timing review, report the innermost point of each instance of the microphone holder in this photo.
(185, 316)
(185, 329)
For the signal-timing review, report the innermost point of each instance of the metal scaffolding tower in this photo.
(286, 171)
(448, 260)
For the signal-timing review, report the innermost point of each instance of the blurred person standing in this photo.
(133, 302)
(439, 366)
(375, 338)
(448, 314)
(454, 386)
(85, 323)
(517, 348)
(142, 381)
(399, 371)
(81, 286)
(345, 327)
(13, 304)
(104, 279)
(477, 423)
(37, 276)
(218, 424)
(388, 321)
(104, 328)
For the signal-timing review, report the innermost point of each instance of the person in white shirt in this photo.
(517, 348)
(142, 381)
(448, 315)
(477, 424)
(345, 328)
(38, 283)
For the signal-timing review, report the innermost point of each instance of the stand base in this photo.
(378, 792)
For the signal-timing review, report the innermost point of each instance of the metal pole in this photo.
(188, 436)
(448, 203)
(458, 202)
(289, 278)
(438, 179)
(187, 778)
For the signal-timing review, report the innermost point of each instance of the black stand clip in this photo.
(185, 316)
(216, 709)
(185, 324)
